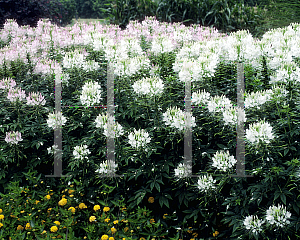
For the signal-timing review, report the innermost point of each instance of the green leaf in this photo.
(157, 186)
(285, 151)
(283, 198)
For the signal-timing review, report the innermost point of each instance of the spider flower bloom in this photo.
(56, 119)
(35, 99)
(200, 98)
(278, 216)
(206, 183)
(107, 167)
(182, 170)
(91, 94)
(16, 93)
(139, 138)
(253, 223)
(176, 118)
(149, 86)
(13, 137)
(116, 130)
(223, 161)
(261, 131)
(81, 152)
(7, 83)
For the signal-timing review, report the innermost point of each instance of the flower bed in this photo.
(152, 64)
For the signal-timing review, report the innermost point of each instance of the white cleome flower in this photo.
(261, 131)
(176, 118)
(278, 216)
(101, 122)
(217, 104)
(223, 161)
(200, 98)
(182, 170)
(253, 224)
(117, 130)
(53, 149)
(258, 98)
(91, 94)
(206, 183)
(149, 86)
(233, 115)
(139, 138)
(56, 120)
(107, 167)
(81, 152)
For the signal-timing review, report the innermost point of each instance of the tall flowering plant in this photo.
(215, 204)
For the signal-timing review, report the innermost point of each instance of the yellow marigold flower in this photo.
(216, 233)
(126, 229)
(47, 196)
(72, 185)
(71, 195)
(113, 230)
(62, 202)
(1, 216)
(104, 237)
(49, 209)
(165, 216)
(111, 238)
(20, 227)
(106, 209)
(53, 229)
(151, 199)
(116, 221)
(57, 223)
(27, 226)
(92, 218)
(124, 209)
(22, 211)
(36, 202)
(82, 205)
(152, 220)
(96, 207)
(1, 210)
(71, 191)
(85, 237)
(1, 225)
(72, 209)
(44, 232)
(107, 220)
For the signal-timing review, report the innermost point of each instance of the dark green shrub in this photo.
(27, 12)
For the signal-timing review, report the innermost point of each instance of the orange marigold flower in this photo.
(152, 220)
(151, 199)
